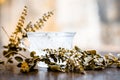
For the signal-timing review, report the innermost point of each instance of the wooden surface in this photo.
(43, 74)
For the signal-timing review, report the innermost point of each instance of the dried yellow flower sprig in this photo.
(14, 40)
(38, 25)
(19, 31)
(13, 49)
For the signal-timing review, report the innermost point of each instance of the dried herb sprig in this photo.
(14, 51)
(39, 24)
(13, 47)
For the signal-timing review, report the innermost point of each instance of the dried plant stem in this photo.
(5, 32)
(15, 52)
(22, 55)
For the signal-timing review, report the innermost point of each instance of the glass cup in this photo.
(53, 40)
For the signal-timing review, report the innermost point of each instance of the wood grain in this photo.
(12, 73)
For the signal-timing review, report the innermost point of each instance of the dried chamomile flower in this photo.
(24, 67)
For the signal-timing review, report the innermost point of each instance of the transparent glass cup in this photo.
(53, 40)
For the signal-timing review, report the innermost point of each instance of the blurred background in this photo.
(96, 22)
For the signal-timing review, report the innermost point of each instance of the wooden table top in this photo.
(43, 74)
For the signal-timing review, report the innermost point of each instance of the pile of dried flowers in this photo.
(76, 60)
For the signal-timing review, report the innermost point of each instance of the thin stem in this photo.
(22, 55)
(5, 32)
(15, 52)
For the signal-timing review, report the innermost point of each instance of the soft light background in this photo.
(96, 22)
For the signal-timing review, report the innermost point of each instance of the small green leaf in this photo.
(6, 54)
(32, 54)
(18, 58)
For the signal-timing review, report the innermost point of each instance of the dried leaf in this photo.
(92, 52)
(32, 54)
(6, 54)
(18, 58)
(55, 68)
(77, 48)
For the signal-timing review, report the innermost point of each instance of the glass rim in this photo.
(51, 34)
